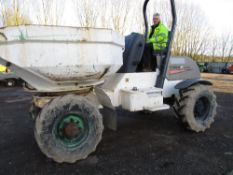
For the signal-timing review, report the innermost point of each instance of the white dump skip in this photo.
(61, 57)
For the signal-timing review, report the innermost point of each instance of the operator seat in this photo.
(132, 56)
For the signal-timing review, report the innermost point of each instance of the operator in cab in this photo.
(3, 69)
(156, 42)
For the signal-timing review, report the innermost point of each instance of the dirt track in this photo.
(144, 144)
(222, 83)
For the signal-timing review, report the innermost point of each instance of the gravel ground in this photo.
(144, 144)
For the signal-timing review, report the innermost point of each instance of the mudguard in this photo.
(190, 82)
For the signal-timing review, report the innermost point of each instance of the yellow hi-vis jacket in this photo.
(2, 68)
(159, 38)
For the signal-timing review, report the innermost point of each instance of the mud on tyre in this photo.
(196, 107)
(68, 129)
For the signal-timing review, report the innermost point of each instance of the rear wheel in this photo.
(68, 129)
(196, 107)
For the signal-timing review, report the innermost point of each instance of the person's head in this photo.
(156, 18)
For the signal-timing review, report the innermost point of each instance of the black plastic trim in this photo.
(190, 82)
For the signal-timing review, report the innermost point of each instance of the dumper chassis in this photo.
(72, 103)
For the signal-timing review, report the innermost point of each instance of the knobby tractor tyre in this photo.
(68, 129)
(196, 107)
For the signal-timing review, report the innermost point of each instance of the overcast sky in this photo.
(219, 13)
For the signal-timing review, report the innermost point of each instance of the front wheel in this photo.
(68, 129)
(196, 107)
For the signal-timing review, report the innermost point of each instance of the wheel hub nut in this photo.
(71, 130)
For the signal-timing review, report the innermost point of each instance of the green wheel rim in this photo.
(71, 130)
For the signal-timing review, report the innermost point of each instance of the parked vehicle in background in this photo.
(225, 69)
(202, 66)
(230, 68)
(8, 78)
(216, 67)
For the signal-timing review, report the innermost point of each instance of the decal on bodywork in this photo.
(178, 70)
(182, 68)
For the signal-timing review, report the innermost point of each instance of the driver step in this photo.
(158, 108)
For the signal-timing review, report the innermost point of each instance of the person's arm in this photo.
(151, 40)
(161, 37)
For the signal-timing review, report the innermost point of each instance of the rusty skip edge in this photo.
(56, 26)
(41, 99)
(23, 30)
(85, 78)
(86, 81)
(43, 84)
(6, 42)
